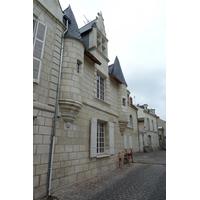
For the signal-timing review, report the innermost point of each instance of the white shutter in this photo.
(125, 145)
(111, 137)
(155, 126)
(150, 125)
(130, 142)
(38, 48)
(147, 124)
(93, 138)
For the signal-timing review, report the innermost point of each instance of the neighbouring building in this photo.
(148, 129)
(162, 132)
(82, 111)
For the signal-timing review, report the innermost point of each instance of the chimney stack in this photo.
(131, 101)
(145, 106)
(153, 111)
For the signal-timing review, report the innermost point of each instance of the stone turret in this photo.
(115, 72)
(70, 101)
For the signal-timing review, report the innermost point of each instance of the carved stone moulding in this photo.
(69, 109)
(122, 126)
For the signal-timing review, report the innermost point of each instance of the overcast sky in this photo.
(136, 30)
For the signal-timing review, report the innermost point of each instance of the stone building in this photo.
(148, 129)
(82, 111)
(162, 132)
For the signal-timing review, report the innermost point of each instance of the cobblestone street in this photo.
(144, 179)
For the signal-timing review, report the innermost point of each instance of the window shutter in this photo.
(133, 122)
(130, 142)
(38, 47)
(155, 126)
(147, 124)
(93, 138)
(150, 124)
(111, 137)
(125, 145)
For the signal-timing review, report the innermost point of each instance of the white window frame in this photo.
(147, 128)
(108, 138)
(36, 39)
(100, 137)
(99, 90)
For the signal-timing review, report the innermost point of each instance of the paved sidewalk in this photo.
(87, 188)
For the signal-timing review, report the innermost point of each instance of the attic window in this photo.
(101, 43)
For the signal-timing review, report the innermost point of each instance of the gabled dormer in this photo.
(94, 38)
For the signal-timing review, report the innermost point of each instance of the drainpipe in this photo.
(49, 175)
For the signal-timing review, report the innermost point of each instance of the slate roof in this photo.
(116, 71)
(73, 29)
(88, 26)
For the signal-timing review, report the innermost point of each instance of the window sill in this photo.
(102, 101)
(103, 156)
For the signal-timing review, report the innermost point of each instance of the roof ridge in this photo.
(87, 23)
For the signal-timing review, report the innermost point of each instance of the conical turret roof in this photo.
(73, 29)
(116, 71)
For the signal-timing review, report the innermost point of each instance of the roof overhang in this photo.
(116, 79)
(95, 60)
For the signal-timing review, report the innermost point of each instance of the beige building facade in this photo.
(82, 111)
(162, 132)
(148, 129)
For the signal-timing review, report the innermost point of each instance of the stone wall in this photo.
(44, 94)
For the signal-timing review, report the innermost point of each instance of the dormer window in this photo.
(101, 43)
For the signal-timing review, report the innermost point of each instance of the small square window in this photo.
(78, 68)
(124, 101)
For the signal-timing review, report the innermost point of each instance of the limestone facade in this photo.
(162, 131)
(148, 128)
(96, 119)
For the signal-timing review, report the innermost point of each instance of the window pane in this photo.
(100, 137)
(100, 87)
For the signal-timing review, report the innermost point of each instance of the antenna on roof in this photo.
(87, 21)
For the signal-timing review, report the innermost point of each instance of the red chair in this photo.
(130, 156)
(120, 159)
